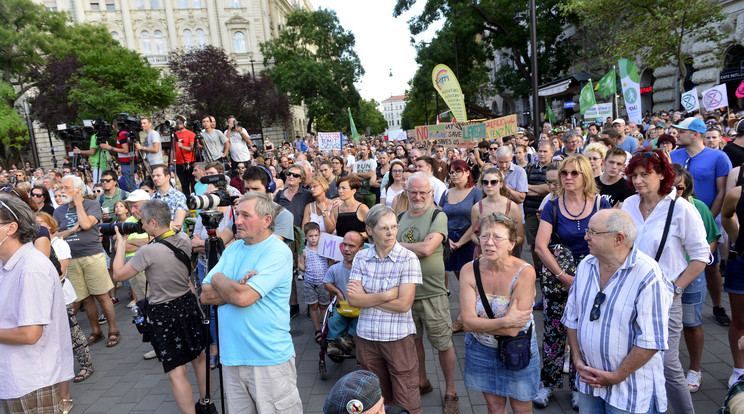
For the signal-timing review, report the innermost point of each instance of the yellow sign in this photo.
(468, 133)
(446, 84)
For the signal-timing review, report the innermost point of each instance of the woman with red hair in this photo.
(652, 177)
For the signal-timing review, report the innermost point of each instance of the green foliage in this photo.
(366, 115)
(651, 30)
(13, 130)
(314, 63)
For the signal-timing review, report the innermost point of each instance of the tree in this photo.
(652, 30)
(498, 27)
(314, 62)
(254, 101)
(367, 115)
(13, 130)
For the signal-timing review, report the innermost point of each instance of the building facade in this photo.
(392, 110)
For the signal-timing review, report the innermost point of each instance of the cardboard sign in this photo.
(468, 133)
(328, 141)
(329, 246)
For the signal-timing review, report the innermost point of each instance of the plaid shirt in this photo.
(174, 198)
(378, 275)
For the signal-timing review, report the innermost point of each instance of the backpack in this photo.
(446, 252)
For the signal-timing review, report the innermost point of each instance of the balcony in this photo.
(158, 60)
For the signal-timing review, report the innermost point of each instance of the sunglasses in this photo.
(295, 175)
(106, 180)
(491, 183)
(714, 128)
(573, 173)
(598, 301)
(37, 195)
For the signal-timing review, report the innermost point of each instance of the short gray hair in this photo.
(416, 176)
(157, 210)
(569, 134)
(504, 151)
(618, 221)
(264, 205)
(77, 182)
(546, 143)
(377, 212)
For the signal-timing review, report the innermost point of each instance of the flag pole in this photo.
(614, 93)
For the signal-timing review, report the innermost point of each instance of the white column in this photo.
(126, 18)
(170, 21)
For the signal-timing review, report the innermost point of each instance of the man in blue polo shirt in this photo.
(709, 169)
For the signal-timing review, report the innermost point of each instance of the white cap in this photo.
(618, 121)
(138, 195)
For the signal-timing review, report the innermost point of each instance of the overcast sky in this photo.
(382, 43)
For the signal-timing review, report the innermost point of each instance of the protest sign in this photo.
(328, 141)
(446, 84)
(468, 133)
(631, 90)
(690, 100)
(329, 246)
(600, 111)
(715, 97)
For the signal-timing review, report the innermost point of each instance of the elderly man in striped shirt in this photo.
(616, 317)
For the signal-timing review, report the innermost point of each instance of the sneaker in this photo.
(575, 400)
(332, 350)
(719, 313)
(543, 397)
(300, 277)
(344, 344)
(150, 355)
(694, 378)
(102, 319)
(733, 379)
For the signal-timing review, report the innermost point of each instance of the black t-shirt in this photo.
(735, 153)
(614, 193)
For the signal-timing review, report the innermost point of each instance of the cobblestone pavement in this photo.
(124, 382)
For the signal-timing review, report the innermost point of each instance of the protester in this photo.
(347, 213)
(315, 267)
(732, 215)
(318, 211)
(395, 184)
(457, 203)
(496, 200)
(41, 199)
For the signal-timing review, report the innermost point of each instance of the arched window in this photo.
(188, 39)
(239, 41)
(159, 43)
(115, 35)
(235, 4)
(201, 40)
(146, 45)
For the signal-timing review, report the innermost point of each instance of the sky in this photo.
(382, 43)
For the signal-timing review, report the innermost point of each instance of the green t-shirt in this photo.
(110, 202)
(131, 219)
(709, 222)
(99, 159)
(415, 230)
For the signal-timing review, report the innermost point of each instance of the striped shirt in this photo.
(634, 313)
(378, 275)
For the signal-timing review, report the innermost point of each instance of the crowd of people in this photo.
(625, 229)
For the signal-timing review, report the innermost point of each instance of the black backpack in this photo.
(446, 252)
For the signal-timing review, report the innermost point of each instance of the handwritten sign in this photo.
(328, 141)
(329, 246)
(468, 133)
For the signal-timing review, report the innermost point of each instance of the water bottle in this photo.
(137, 315)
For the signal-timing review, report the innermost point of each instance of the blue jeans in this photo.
(128, 173)
(692, 302)
(212, 316)
(596, 405)
(337, 324)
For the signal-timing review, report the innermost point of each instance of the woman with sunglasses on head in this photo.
(495, 200)
(41, 200)
(652, 177)
(577, 202)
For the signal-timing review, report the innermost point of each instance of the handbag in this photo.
(514, 351)
(563, 255)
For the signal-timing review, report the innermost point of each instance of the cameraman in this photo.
(122, 150)
(98, 159)
(240, 143)
(216, 144)
(184, 156)
(172, 314)
(152, 143)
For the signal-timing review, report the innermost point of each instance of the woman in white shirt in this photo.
(395, 184)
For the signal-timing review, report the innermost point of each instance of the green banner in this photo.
(587, 99)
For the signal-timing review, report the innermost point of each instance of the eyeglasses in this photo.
(552, 183)
(106, 180)
(595, 158)
(295, 175)
(456, 172)
(99, 191)
(598, 301)
(397, 171)
(710, 122)
(493, 148)
(418, 193)
(573, 173)
(591, 233)
(496, 239)
(37, 195)
(489, 183)
(387, 229)
(10, 189)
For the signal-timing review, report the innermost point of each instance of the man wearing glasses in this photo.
(112, 194)
(616, 317)
(570, 145)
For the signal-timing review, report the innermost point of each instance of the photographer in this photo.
(172, 316)
(216, 144)
(122, 151)
(152, 143)
(240, 143)
(185, 156)
(98, 159)
(175, 200)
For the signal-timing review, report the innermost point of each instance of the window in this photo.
(196, 4)
(110, 6)
(154, 5)
(182, 4)
(188, 40)
(146, 45)
(159, 43)
(201, 41)
(239, 41)
(115, 35)
(235, 4)
(139, 4)
(94, 6)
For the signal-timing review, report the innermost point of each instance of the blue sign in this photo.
(569, 104)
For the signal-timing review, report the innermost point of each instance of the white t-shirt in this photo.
(153, 158)
(239, 151)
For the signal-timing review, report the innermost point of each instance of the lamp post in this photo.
(533, 46)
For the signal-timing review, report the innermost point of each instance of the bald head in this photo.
(614, 221)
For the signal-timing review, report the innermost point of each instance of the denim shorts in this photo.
(692, 302)
(734, 281)
(484, 372)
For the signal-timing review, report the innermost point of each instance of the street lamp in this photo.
(533, 46)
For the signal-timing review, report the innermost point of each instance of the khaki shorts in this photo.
(89, 276)
(434, 315)
(262, 389)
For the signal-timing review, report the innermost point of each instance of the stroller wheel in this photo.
(322, 369)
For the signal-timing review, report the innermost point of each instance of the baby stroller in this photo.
(340, 348)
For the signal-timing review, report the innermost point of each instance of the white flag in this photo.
(690, 100)
(715, 97)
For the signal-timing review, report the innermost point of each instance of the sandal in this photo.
(113, 342)
(82, 377)
(93, 338)
(318, 336)
(212, 361)
(115, 300)
(72, 404)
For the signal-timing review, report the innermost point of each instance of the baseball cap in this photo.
(692, 124)
(355, 392)
(618, 121)
(138, 195)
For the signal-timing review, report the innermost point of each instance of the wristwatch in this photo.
(678, 290)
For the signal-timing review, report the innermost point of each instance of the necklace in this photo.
(576, 217)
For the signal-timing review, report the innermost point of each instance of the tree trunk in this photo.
(309, 124)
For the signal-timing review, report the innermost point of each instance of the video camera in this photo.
(107, 229)
(130, 124)
(73, 135)
(211, 201)
(101, 128)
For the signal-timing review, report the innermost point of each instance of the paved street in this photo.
(124, 382)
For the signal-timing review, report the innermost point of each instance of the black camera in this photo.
(74, 135)
(196, 125)
(211, 219)
(107, 229)
(130, 124)
(102, 129)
